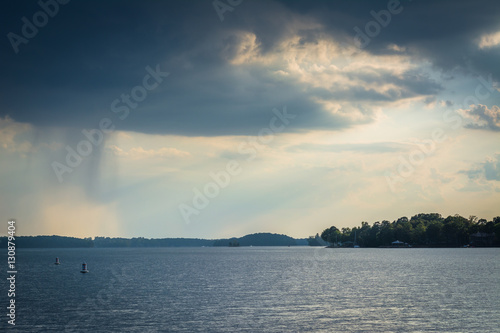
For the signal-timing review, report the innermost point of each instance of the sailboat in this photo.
(355, 245)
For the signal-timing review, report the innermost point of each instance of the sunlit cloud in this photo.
(11, 136)
(350, 87)
(489, 40)
(483, 117)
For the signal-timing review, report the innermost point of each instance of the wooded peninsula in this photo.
(421, 230)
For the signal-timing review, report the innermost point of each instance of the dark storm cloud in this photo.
(90, 53)
(446, 32)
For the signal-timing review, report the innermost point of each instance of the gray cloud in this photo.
(67, 76)
(489, 169)
(492, 168)
(483, 117)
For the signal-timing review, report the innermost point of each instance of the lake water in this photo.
(254, 289)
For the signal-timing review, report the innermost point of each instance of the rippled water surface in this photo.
(254, 289)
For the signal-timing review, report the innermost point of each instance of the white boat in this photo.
(84, 268)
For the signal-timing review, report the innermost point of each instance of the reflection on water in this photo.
(299, 289)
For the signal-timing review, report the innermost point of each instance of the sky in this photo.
(214, 119)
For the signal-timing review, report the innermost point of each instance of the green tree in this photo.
(403, 230)
(330, 235)
(386, 234)
(455, 230)
(371, 235)
(496, 230)
(417, 234)
(433, 232)
(346, 234)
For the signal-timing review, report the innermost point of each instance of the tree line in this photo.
(73, 242)
(420, 230)
(48, 242)
(259, 239)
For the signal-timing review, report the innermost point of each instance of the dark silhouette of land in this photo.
(259, 239)
(421, 230)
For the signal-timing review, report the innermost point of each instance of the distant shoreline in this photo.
(54, 241)
(252, 240)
